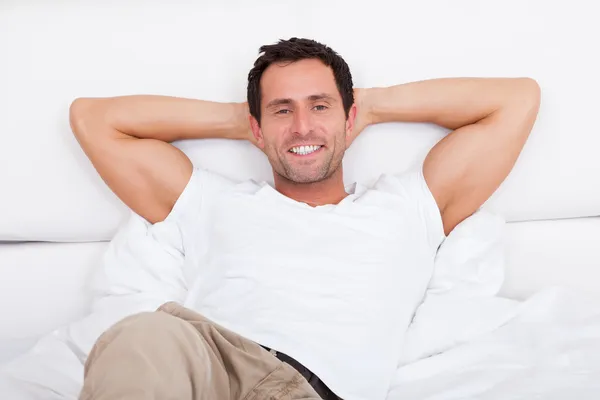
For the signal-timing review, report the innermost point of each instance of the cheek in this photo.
(335, 129)
(271, 136)
(333, 125)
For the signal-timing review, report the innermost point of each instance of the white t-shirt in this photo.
(334, 286)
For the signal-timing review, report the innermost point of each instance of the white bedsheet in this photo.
(549, 350)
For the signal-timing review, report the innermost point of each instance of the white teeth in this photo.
(303, 150)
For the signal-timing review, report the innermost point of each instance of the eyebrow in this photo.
(321, 96)
(312, 97)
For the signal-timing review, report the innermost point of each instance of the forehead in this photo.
(297, 80)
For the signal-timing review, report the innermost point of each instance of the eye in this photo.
(320, 107)
(283, 111)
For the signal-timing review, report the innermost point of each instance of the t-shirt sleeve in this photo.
(412, 189)
(196, 199)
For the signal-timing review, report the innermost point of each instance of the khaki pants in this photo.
(175, 353)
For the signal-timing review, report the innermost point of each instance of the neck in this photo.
(328, 191)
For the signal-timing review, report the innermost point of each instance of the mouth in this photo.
(304, 151)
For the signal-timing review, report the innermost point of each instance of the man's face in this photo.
(303, 126)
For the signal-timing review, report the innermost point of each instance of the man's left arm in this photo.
(490, 119)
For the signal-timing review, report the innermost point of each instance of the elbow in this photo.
(523, 97)
(79, 107)
(82, 114)
(530, 91)
(78, 113)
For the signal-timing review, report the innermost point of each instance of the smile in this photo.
(304, 150)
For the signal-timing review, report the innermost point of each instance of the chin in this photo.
(304, 174)
(307, 178)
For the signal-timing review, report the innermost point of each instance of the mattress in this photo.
(552, 253)
(42, 286)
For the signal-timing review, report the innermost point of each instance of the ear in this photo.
(351, 126)
(257, 133)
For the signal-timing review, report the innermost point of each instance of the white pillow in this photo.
(460, 302)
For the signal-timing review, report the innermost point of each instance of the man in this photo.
(304, 289)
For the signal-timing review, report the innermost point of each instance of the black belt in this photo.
(317, 384)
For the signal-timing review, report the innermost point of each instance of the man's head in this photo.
(302, 109)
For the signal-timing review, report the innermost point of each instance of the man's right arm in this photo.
(128, 138)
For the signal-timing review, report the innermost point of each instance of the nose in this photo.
(301, 124)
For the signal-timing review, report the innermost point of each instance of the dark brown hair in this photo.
(296, 49)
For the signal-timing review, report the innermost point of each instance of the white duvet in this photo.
(464, 342)
(549, 349)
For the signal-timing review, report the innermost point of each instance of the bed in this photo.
(57, 218)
